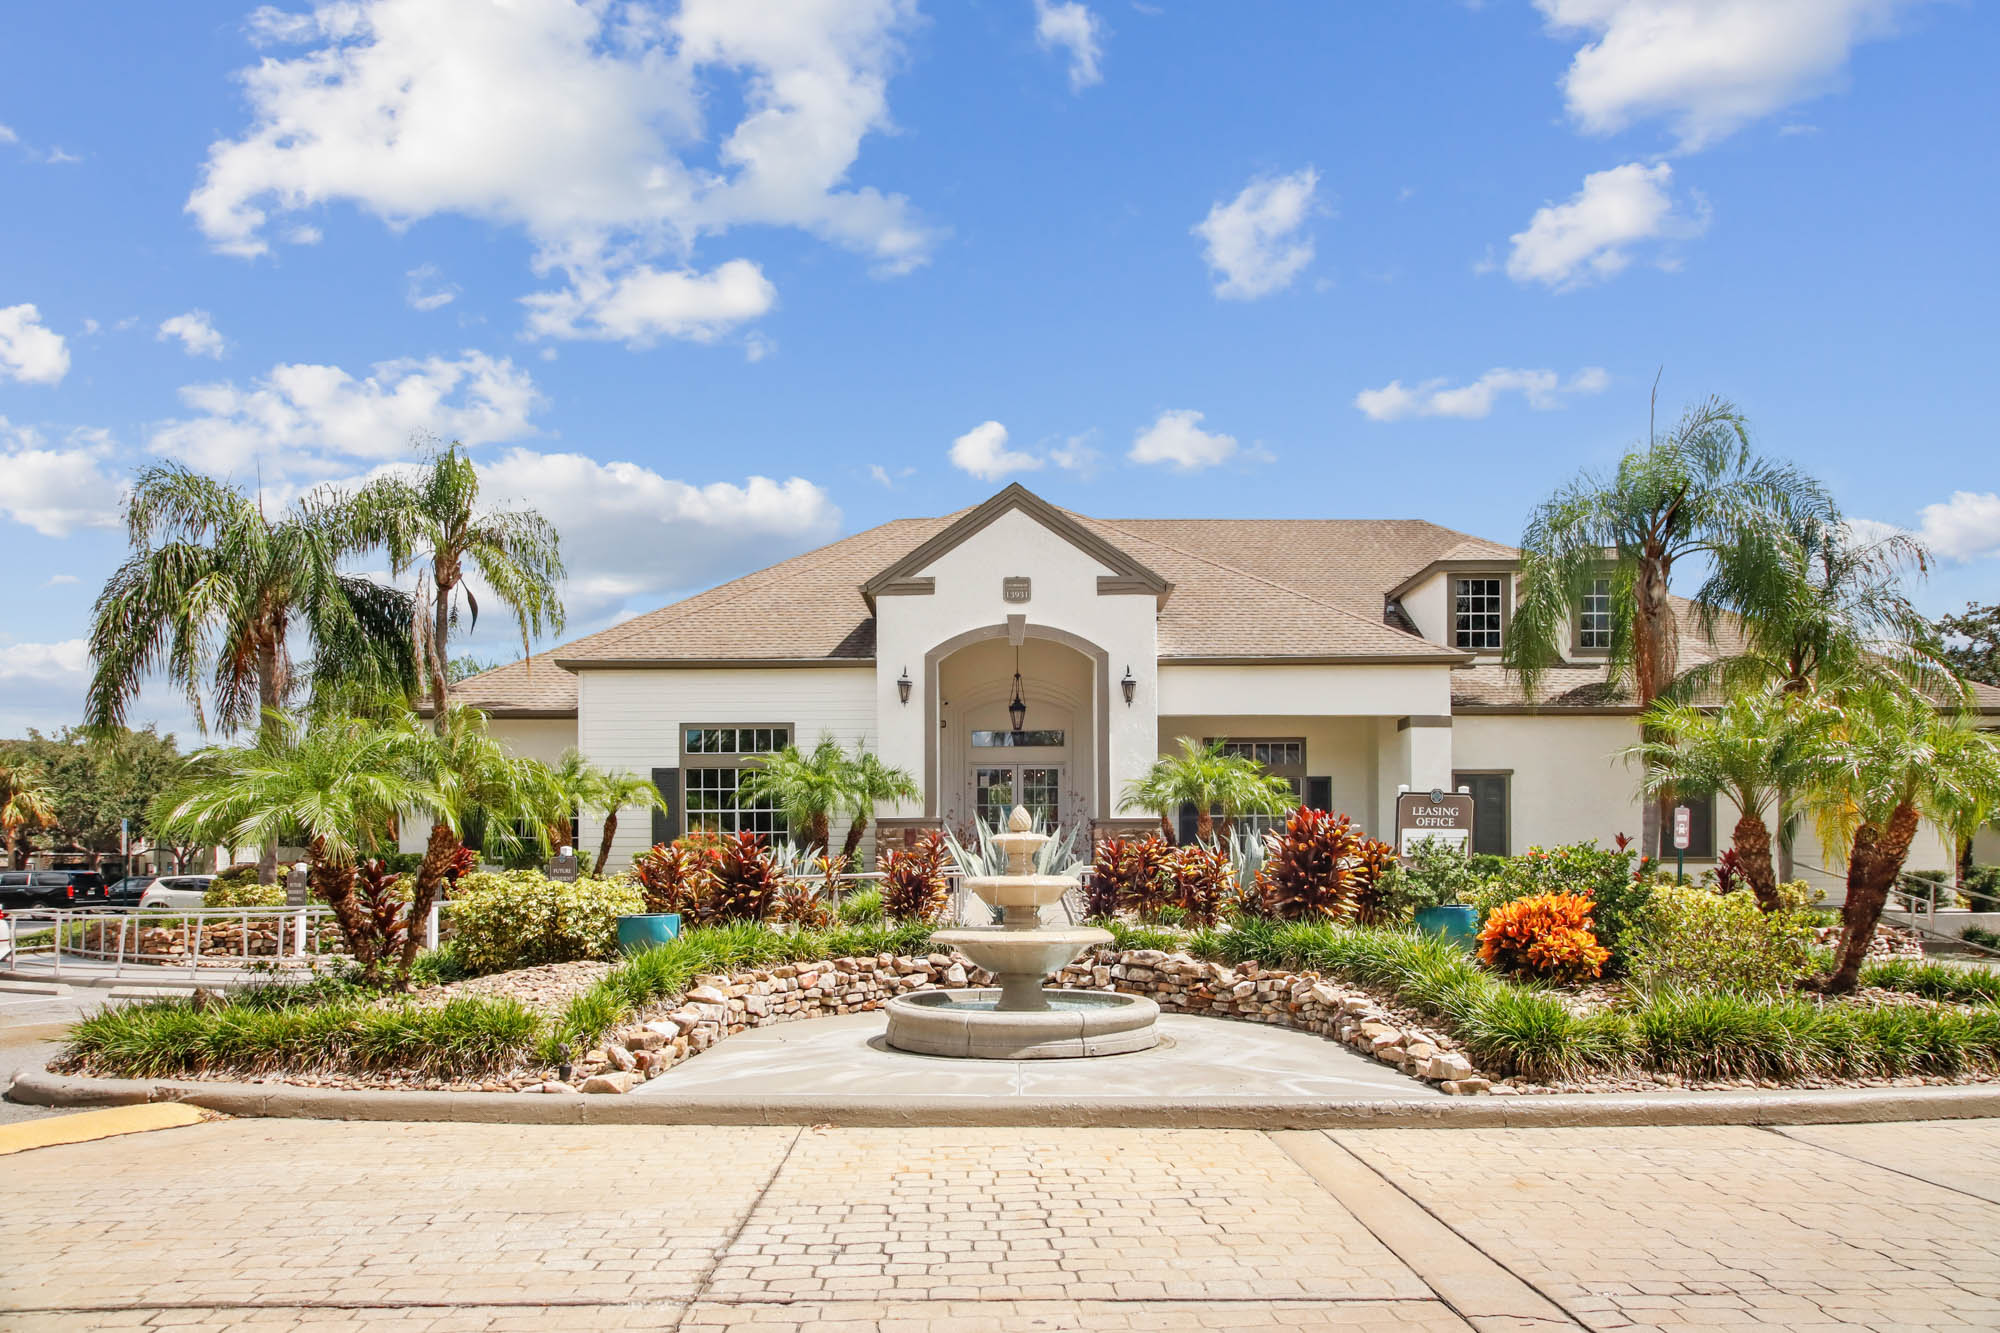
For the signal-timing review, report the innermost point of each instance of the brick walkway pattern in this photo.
(283, 1224)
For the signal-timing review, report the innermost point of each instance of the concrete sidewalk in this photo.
(783, 1230)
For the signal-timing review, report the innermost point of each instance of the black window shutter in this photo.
(1185, 825)
(1319, 793)
(668, 824)
(1489, 810)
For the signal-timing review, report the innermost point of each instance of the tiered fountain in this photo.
(1019, 1020)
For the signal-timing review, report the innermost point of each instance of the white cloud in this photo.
(644, 303)
(1078, 455)
(45, 662)
(7, 134)
(1542, 390)
(58, 489)
(884, 477)
(57, 157)
(296, 416)
(1963, 528)
(629, 532)
(1176, 437)
(428, 290)
(196, 333)
(1706, 67)
(61, 580)
(1253, 241)
(583, 124)
(1071, 27)
(983, 452)
(30, 352)
(1591, 235)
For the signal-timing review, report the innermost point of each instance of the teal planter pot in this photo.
(1456, 923)
(647, 931)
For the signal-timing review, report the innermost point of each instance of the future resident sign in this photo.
(1441, 816)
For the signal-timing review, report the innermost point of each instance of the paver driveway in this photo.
(397, 1226)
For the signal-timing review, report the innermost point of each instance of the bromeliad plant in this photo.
(1310, 871)
(913, 880)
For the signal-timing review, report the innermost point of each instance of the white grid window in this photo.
(1593, 627)
(1476, 614)
(713, 802)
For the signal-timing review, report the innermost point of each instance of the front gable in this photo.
(1117, 570)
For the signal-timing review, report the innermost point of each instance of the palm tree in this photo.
(435, 521)
(871, 782)
(1843, 617)
(335, 786)
(1699, 491)
(215, 591)
(806, 786)
(471, 782)
(605, 792)
(1755, 749)
(1894, 759)
(1212, 782)
(25, 802)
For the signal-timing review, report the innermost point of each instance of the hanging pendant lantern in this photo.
(1017, 710)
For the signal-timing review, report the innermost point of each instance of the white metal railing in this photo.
(120, 943)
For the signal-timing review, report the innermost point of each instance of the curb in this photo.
(39, 1087)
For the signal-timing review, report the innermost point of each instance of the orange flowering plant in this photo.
(1549, 935)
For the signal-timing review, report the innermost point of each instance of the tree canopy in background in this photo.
(94, 780)
(1970, 642)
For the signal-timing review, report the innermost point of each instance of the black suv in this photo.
(53, 888)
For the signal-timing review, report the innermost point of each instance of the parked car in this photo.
(176, 891)
(127, 891)
(53, 888)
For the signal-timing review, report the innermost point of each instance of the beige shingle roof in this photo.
(1243, 588)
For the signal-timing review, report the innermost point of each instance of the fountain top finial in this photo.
(1020, 821)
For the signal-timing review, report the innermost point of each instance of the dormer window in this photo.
(1478, 609)
(1593, 619)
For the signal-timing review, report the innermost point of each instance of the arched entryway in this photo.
(979, 765)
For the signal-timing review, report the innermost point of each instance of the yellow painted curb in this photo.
(87, 1125)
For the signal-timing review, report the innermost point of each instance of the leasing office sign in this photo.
(1441, 816)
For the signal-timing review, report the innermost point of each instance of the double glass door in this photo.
(997, 789)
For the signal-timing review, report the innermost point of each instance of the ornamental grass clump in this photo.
(1548, 936)
(1935, 981)
(913, 880)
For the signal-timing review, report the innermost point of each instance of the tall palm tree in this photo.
(214, 594)
(1894, 759)
(807, 786)
(606, 793)
(471, 781)
(25, 802)
(1755, 749)
(1212, 782)
(334, 785)
(871, 782)
(1697, 492)
(435, 521)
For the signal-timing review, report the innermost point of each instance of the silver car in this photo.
(176, 891)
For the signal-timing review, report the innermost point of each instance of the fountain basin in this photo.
(971, 1023)
(1021, 958)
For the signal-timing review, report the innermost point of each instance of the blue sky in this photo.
(712, 283)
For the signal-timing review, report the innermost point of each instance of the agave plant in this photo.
(1310, 872)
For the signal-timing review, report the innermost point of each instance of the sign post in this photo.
(562, 866)
(298, 895)
(1683, 834)
(1437, 816)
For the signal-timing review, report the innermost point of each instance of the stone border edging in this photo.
(39, 1087)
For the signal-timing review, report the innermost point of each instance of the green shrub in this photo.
(1583, 868)
(1979, 935)
(1430, 874)
(240, 892)
(1696, 939)
(441, 966)
(861, 908)
(1981, 887)
(503, 920)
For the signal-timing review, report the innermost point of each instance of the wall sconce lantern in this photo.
(903, 683)
(1129, 685)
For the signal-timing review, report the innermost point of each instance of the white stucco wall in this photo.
(1568, 783)
(632, 720)
(1336, 690)
(1064, 596)
(534, 737)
